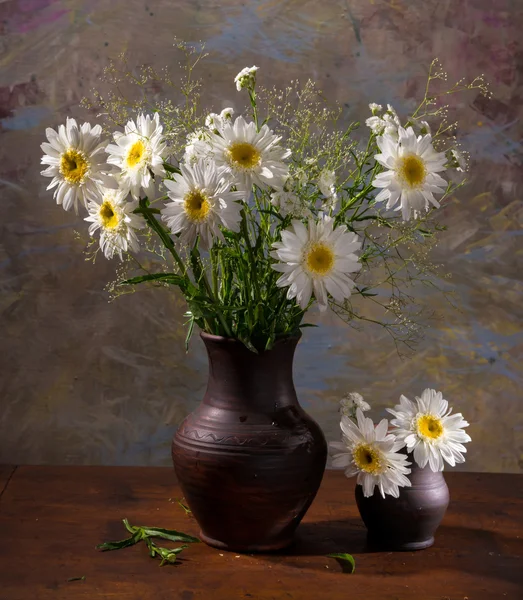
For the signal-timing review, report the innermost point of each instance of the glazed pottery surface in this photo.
(249, 459)
(410, 521)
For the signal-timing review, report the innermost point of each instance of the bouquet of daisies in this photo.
(257, 216)
(424, 431)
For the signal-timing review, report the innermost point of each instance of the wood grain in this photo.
(6, 472)
(51, 518)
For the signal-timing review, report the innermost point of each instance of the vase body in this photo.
(410, 521)
(249, 460)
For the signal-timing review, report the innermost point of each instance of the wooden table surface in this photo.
(51, 518)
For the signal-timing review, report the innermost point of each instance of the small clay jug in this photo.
(249, 459)
(410, 521)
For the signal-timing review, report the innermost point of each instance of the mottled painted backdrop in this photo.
(84, 381)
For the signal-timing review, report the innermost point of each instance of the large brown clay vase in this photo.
(249, 459)
(410, 521)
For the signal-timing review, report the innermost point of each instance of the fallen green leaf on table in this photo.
(169, 534)
(166, 554)
(82, 578)
(134, 539)
(141, 532)
(347, 562)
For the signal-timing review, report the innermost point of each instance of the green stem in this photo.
(214, 265)
(140, 211)
(221, 318)
(252, 98)
(245, 232)
(203, 277)
(148, 214)
(427, 86)
(159, 200)
(171, 168)
(352, 202)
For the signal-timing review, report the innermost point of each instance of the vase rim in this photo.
(226, 340)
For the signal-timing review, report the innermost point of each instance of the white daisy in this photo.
(226, 114)
(246, 78)
(201, 203)
(429, 430)
(376, 124)
(250, 156)
(76, 160)
(326, 185)
(196, 145)
(420, 127)
(289, 203)
(215, 122)
(318, 259)
(301, 177)
(351, 402)
(412, 177)
(458, 159)
(371, 453)
(387, 124)
(392, 121)
(113, 216)
(375, 108)
(139, 152)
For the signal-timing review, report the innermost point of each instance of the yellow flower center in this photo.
(368, 458)
(73, 166)
(197, 206)
(244, 155)
(135, 154)
(412, 170)
(429, 426)
(108, 215)
(319, 259)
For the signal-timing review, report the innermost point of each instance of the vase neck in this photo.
(424, 477)
(239, 378)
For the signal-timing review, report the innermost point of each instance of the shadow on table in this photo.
(327, 537)
(482, 553)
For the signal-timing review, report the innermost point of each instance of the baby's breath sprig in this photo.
(430, 107)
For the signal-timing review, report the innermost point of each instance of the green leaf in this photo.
(308, 325)
(425, 233)
(166, 554)
(367, 218)
(168, 558)
(271, 212)
(347, 562)
(270, 339)
(134, 539)
(170, 168)
(187, 510)
(230, 235)
(189, 333)
(169, 534)
(130, 528)
(248, 344)
(167, 277)
(82, 578)
(364, 292)
(141, 211)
